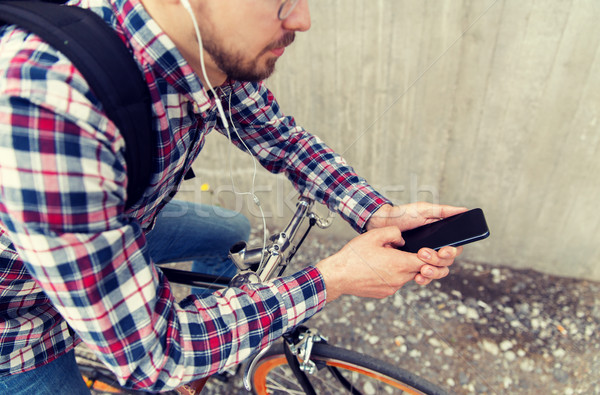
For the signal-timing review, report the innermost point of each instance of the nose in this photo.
(299, 19)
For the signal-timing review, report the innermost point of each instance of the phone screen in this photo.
(453, 231)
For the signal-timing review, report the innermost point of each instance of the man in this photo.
(76, 265)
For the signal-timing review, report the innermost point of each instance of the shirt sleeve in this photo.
(61, 203)
(314, 169)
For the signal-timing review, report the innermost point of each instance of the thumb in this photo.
(389, 235)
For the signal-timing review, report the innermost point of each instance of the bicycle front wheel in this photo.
(338, 371)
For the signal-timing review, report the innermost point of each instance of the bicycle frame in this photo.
(258, 264)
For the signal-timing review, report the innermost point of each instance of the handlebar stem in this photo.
(275, 254)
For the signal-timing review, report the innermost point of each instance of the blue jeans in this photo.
(60, 376)
(199, 233)
(183, 232)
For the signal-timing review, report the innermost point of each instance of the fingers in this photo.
(436, 263)
(435, 212)
(444, 257)
(412, 215)
(429, 273)
(448, 211)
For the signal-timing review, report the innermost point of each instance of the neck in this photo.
(177, 23)
(211, 75)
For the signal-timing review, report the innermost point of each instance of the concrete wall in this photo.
(482, 103)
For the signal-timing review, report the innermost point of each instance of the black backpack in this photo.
(109, 69)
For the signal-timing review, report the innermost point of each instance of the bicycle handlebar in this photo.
(278, 252)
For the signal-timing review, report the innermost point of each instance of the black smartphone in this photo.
(453, 231)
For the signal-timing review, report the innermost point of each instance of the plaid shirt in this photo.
(69, 253)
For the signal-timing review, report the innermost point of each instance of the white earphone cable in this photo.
(226, 124)
(252, 190)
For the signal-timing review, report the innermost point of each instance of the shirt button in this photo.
(195, 107)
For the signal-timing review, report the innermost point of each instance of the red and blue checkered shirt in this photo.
(70, 253)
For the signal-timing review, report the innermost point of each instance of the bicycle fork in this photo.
(298, 347)
(302, 349)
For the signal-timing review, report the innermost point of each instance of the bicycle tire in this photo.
(272, 374)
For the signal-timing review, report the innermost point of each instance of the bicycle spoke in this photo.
(324, 380)
(335, 372)
(273, 384)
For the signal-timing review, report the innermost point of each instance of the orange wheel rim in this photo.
(262, 370)
(260, 382)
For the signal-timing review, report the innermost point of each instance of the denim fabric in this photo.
(199, 233)
(60, 376)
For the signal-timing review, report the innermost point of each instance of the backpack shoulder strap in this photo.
(109, 69)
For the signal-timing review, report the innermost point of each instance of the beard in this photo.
(238, 67)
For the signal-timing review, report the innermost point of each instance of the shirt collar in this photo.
(155, 50)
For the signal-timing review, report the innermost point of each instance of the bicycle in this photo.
(303, 363)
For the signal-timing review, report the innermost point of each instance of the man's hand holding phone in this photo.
(434, 232)
(375, 265)
(370, 265)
